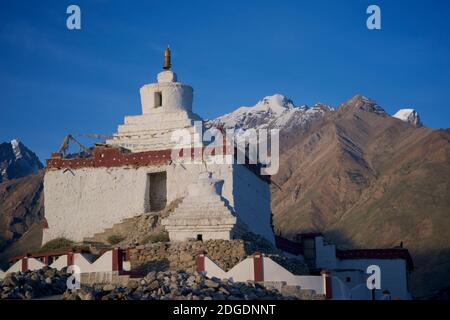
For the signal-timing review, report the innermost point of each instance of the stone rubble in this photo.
(33, 284)
(182, 255)
(177, 285)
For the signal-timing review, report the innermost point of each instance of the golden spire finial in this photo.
(167, 64)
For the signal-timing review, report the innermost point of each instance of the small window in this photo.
(348, 279)
(199, 237)
(158, 99)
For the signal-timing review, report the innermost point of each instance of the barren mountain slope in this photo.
(21, 207)
(369, 180)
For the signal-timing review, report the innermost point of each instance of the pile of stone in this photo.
(182, 255)
(33, 284)
(177, 285)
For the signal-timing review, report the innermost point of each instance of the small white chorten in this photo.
(203, 214)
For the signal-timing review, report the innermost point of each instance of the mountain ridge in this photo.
(17, 161)
(278, 111)
(21, 195)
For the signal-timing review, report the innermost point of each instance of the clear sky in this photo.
(54, 81)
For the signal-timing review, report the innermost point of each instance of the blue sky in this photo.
(55, 81)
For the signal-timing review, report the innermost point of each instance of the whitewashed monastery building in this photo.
(134, 173)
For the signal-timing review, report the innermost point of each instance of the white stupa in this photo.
(203, 214)
(166, 107)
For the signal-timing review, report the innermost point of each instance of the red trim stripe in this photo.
(201, 263)
(258, 268)
(70, 259)
(24, 264)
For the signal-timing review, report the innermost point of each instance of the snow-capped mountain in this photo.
(17, 161)
(275, 111)
(278, 111)
(409, 115)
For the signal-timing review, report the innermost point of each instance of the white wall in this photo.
(60, 262)
(276, 273)
(393, 275)
(273, 272)
(241, 272)
(213, 270)
(175, 97)
(16, 267)
(84, 261)
(393, 272)
(251, 197)
(325, 254)
(34, 264)
(82, 202)
(79, 203)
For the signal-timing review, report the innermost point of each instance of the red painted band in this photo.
(116, 260)
(24, 264)
(201, 263)
(70, 259)
(328, 287)
(258, 267)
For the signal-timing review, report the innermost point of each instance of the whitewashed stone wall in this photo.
(251, 199)
(79, 203)
(82, 202)
(394, 274)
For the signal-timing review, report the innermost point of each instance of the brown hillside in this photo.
(369, 180)
(21, 207)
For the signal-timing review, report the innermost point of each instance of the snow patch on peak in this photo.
(276, 111)
(409, 115)
(269, 107)
(275, 104)
(322, 106)
(17, 161)
(366, 99)
(16, 148)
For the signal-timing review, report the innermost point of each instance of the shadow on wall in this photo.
(255, 214)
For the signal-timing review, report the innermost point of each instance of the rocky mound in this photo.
(33, 284)
(226, 253)
(177, 285)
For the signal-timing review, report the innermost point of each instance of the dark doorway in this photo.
(199, 237)
(157, 190)
(158, 99)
